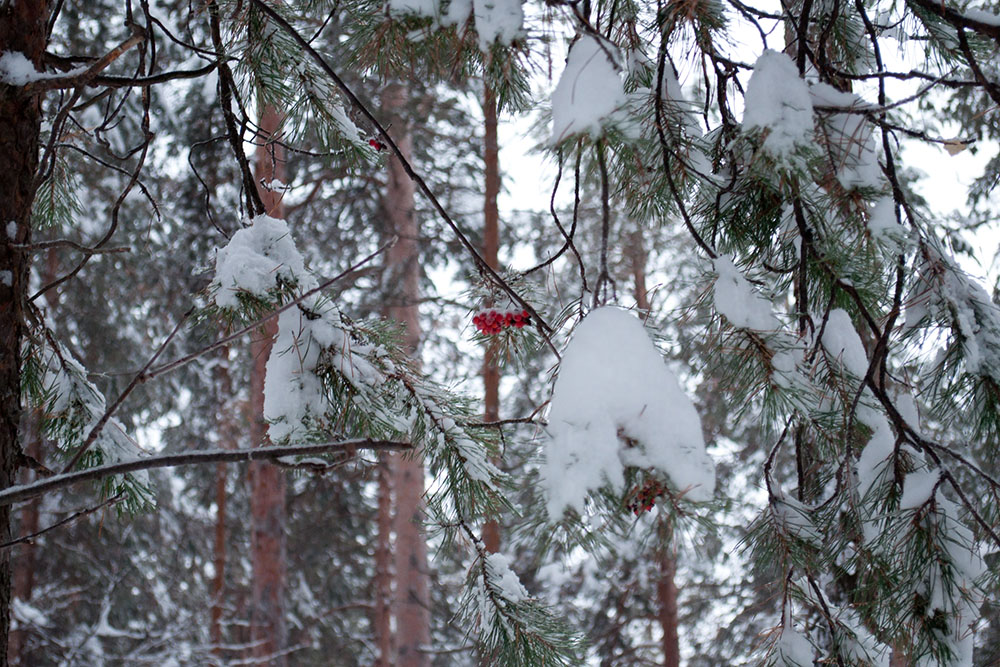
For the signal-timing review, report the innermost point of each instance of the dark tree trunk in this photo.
(412, 598)
(267, 482)
(491, 250)
(22, 29)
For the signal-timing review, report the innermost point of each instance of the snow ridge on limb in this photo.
(69, 407)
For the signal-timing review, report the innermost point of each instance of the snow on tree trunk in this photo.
(267, 482)
(411, 605)
(491, 249)
(22, 29)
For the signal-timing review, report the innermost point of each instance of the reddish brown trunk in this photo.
(383, 571)
(637, 255)
(411, 604)
(267, 482)
(219, 558)
(666, 591)
(491, 249)
(224, 385)
(666, 588)
(22, 29)
(898, 659)
(23, 566)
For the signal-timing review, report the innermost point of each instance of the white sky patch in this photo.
(778, 101)
(12, 230)
(7, 278)
(589, 91)
(613, 380)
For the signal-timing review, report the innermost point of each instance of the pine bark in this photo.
(666, 589)
(411, 603)
(23, 567)
(384, 638)
(22, 29)
(666, 586)
(268, 633)
(227, 439)
(491, 250)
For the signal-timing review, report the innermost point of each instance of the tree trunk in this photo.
(412, 599)
(24, 567)
(382, 584)
(267, 482)
(491, 249)
(22, 29)
(666, 588)
(666, 591)
(227, 440)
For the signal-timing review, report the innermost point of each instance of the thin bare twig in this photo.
(30, 539)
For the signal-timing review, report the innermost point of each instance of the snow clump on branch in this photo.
(615, 405)
(778, 102)
(589, 91)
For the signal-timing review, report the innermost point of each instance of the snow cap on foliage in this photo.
(736, 299)
(294, 398)
(497, 21)
(616, 404)
(589, 91)
(255, 259)
(778, 101)
(842, 342)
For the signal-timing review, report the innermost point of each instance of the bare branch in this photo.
(16, 494)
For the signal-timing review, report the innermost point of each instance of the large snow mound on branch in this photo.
(778, 101)
(254, 259)
(616, 404)
(589, 90)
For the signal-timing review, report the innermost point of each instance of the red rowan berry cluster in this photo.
(491, 322)
(644, 498)
(377, 145)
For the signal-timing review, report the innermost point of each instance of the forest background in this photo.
(237, 227)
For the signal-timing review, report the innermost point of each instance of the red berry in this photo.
(376, 144)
